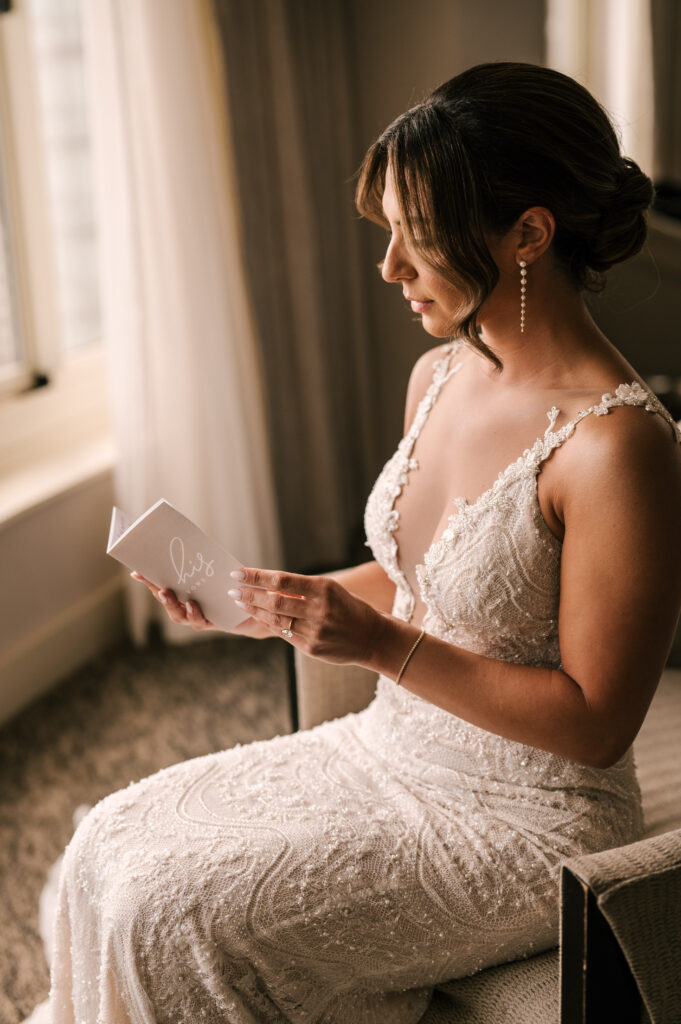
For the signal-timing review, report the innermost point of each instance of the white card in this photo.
(169, 550)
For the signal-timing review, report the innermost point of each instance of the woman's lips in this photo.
(420, 307)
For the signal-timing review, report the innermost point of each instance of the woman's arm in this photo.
(367, 581)
(620, 501)
(620, 597)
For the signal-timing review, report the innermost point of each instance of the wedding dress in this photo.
(335, 875)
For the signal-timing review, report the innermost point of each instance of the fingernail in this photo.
(189, 607)
(135, 575)
(162, 598)
(238, 575)
(241, 604)
(234, 593)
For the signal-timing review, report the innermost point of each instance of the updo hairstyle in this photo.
(483, 148)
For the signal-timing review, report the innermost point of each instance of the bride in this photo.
(521, 604)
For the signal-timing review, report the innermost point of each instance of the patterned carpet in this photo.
(121, 718)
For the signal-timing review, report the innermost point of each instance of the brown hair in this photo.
(483, 148)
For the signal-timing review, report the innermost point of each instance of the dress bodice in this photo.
(490, 581)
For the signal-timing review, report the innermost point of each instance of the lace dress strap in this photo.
(381, 517)
(443, 369)
(625, 394)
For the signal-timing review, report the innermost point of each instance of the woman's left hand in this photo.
(326, 621)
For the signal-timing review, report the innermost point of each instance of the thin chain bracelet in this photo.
(406, 661)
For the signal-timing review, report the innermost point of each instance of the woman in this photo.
(338, 874)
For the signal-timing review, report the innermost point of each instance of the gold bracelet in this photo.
(406, 661)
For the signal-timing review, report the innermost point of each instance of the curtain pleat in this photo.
(185, 361)
(607, 46)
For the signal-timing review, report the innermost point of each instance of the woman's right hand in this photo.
(189, 613)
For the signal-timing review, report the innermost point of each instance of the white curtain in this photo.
(607, 46)
(186, 381)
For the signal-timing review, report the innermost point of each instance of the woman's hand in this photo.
(189, 613)
(325, 620)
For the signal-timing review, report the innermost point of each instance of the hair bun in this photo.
(621, 231)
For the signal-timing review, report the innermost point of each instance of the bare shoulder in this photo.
(420, 380)
(629, 453)
(630, 435)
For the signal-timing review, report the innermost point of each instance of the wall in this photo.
(640, 307)
(401, 51)
(62, 596)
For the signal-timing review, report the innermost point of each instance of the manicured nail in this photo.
(241, 604)
(189, 607)
(238, 575)
(162, 597)
(236, 594)
(135, 575)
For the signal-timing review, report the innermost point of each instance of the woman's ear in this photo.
(535, 230)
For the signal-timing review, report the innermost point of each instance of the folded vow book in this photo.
(169, 550)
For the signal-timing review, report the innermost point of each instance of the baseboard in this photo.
(60, 646)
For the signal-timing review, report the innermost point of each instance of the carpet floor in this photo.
(124, 716)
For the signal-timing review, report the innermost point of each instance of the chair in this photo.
(619, 957)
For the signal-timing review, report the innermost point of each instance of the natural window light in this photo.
(64, 133)
(52, 373)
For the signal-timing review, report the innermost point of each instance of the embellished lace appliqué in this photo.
(380, 508)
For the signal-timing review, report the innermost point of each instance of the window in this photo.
(607, 46)
(63, 118)
(52, 381)
(10, 349)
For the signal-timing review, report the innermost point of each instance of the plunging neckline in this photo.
(530, 459)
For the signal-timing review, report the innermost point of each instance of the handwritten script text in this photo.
(186, 569)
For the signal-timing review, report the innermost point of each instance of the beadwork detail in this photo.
(523, 290)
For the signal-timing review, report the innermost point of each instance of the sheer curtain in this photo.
(607, 46)
(186, 376)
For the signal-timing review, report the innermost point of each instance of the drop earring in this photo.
(523, 289)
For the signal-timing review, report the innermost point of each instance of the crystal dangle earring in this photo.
(523, 289)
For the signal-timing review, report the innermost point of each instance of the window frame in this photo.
(38, 423)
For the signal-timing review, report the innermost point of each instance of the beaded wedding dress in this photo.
(334, 876)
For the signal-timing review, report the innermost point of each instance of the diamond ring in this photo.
(288, 632)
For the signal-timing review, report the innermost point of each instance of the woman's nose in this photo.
(396, 266)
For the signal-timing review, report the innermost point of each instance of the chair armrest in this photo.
(329, 691)
(621, 932)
